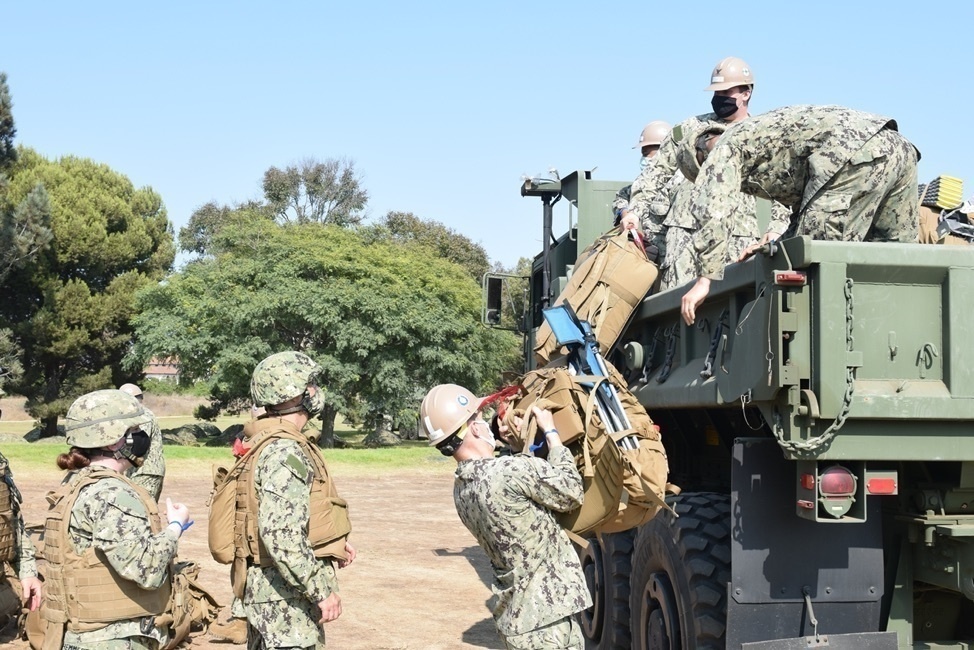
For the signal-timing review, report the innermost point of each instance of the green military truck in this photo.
(818, 421)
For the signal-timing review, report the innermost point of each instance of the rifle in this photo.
(586, 362)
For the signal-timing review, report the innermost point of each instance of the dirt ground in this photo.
(161, 405)
(420, 582)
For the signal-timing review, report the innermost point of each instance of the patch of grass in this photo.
(354, 459)
(17, 427)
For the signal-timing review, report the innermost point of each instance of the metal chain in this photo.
(808, 447)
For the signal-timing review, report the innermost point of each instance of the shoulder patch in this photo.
(116, 494)
(127, 501)
(296, 465)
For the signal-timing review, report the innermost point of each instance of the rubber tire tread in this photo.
(694, 551)
(617, 569)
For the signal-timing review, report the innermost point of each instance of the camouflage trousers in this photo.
(681, 264)
(872, 198)
(563, 634)
(280, 624)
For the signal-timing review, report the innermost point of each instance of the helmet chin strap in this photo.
(125, 453)
(306, 404)
(294, 409)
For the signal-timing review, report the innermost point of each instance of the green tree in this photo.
(8, 153)
(386, 322)
(326, 192)
(24, 227)
(197, 235)
(407, 229)
(70, 307)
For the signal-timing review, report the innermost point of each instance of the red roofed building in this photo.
(163, 369)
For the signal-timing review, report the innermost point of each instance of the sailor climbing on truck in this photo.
(847, 176)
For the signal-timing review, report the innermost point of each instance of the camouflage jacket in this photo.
(621, 202)
(623, 196)
(12, 525)
(282, 479)
(745, 229)
(507, 504)
(786, 155)
(110, 516)
(153, 470)
(653, 191)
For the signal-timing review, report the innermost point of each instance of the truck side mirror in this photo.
(493, 303)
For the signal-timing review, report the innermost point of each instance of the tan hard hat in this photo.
(729, 73)
(445, 409)
(131, 389)
(653, 134)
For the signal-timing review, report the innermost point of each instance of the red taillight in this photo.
(789, 278)
(837, 481)
(881, 486)
(808, 481)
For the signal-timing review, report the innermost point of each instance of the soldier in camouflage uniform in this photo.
(654, 191)
(288, 600)
(507, 503)
(152, 472)
(649, 141)
(112, 521)
(16, 552)
(846, 175)
(679, 265)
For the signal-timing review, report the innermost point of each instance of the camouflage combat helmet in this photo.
(730, 72)
(445, 409)
(101, 418)
(281, 377)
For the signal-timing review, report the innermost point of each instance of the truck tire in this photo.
(606, 564)
(680, 571)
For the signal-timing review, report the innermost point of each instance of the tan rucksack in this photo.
(623, 487)
(609, 280)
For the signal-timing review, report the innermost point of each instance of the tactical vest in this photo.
(8, 518)
(329, 524)
(81, 590)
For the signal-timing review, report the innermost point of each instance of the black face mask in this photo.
(724, 106)
(136, 447)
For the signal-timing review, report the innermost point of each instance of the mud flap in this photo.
(856, 641)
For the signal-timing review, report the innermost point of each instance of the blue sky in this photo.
(443, 106)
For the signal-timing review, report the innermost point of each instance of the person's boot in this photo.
(233, 631)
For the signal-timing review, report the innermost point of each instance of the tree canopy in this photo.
(407, 229)
(24, 227)
(316, 191)
(386, 322)
(70, 307)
